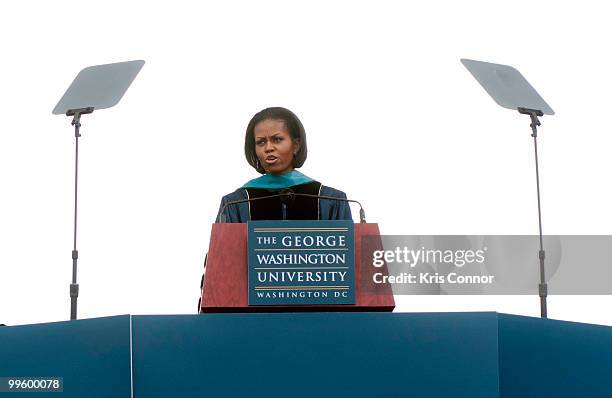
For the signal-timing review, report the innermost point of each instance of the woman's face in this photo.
(274, 147)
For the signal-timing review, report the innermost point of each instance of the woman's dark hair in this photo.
(294, 126)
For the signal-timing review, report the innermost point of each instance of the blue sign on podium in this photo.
(301, 262)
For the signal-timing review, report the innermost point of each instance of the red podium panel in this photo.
(225, 285)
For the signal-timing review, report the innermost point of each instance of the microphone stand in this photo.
(542, 287)
(286, 196)
(74, 286)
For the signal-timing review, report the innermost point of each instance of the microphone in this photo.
(287, 195)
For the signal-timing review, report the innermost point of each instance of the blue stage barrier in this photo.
(549, 358)
(92, 356)
(315, 354)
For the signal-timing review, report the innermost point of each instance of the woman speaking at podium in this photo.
(275, 145)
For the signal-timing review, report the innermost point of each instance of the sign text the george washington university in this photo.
(301, 263)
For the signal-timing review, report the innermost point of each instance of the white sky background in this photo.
(392, 117)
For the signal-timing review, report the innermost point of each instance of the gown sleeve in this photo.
(234, 213)
(334, 209)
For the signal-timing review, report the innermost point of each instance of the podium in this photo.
(225, 282)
